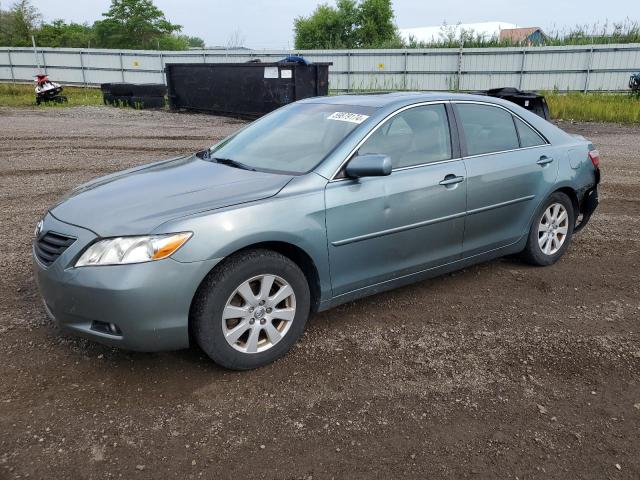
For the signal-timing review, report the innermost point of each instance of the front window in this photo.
(293, 139)
(416, 136)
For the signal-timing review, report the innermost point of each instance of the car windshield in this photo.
(293, 139)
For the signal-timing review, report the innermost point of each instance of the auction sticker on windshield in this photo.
(348, 117)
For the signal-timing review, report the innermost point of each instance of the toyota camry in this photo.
(321, 202)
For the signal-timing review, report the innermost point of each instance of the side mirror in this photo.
(369, 165)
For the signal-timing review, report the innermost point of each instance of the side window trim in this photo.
(515, 125)
(454, 131)
(463, 140)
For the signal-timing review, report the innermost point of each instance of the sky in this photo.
(268, 24)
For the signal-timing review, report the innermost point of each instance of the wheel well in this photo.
(571, 193)
(293, 253)
(300, 258)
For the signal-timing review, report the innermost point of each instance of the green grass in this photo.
(20, 95)
(583, 107)
(594, 107)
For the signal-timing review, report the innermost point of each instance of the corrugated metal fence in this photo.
(575, 68)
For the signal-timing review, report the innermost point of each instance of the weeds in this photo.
(23, 95)
(626, 31)
(594, 107)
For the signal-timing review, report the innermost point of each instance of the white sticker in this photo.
(348, 117)
(270, 72)
(526, 103)
(285, 73)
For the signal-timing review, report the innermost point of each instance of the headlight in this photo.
(123, 250)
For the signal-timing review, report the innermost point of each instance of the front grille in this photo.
(50, 246)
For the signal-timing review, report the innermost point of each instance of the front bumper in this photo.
(148, 302)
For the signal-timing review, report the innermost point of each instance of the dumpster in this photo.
(247, 90)
(530, 100)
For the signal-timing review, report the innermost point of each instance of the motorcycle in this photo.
(634, 83)
(48, 91)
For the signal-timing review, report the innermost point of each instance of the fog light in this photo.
(104, 327)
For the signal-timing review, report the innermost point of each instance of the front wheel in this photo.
(251, 309)
(551, 231)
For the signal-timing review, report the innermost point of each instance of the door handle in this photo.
(451, 180)
(544, 160)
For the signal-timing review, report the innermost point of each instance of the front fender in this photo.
(295, 216)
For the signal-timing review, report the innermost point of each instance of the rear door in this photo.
(510, 169)
(382, 228)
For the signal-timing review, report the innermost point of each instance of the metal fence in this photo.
(575, 68)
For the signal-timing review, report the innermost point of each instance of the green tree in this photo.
(376, 27)
(135, 24)
(18, 24)
(195, 42)
(172, 42)
(5, 27)
(368, 24)
(61, 34)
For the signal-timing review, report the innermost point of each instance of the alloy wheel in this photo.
(553, 229)
(259, 313)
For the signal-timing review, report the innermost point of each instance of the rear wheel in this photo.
(251, 310)
(551, 231)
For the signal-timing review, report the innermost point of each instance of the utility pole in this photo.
(35, 53)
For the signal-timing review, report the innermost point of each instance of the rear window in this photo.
(487, 129)
(528, 136)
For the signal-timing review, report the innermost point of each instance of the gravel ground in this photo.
(498, 371)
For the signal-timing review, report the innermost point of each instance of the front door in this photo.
(382, 228)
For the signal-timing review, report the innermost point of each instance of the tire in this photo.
(146, 102)
(148, 90)
(116, 100)
(219, 293)
(120, 89)
(550, 237)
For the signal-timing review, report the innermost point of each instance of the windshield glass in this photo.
(293, 139)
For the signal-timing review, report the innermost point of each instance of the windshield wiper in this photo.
(233, 163)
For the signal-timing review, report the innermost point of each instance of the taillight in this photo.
(594, 155)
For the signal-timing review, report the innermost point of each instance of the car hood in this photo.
(138, 200)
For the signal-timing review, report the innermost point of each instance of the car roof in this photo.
(380, 100)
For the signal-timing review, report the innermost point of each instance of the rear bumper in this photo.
(148, 302)
(588, 206)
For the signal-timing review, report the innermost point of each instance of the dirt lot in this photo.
(499, 371)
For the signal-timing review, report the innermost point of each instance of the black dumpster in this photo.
(243, 89)
(530, 100)
(145, 95)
